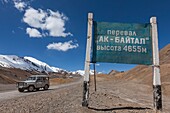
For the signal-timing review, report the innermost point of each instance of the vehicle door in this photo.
(39, 82)
(45, 81)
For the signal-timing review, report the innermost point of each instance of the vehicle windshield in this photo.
(31, 78)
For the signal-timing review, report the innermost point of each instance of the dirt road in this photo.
(10, 94)
(111, 97)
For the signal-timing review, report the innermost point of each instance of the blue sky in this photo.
(55, 31)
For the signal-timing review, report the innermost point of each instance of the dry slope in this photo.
(143, 74)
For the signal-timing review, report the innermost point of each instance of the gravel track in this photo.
(109, 98)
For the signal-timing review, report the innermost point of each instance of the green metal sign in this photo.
(122, 43)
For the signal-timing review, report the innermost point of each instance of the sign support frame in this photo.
(157, 93)
(94, 67)
(87, 61)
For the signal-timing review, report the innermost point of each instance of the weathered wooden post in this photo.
(94, 67)
(157, 94)
(87, 61)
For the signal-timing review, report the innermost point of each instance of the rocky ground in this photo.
(110, 97)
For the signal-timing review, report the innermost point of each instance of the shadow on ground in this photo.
(119, 108)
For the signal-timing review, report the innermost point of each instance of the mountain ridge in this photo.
(14, 68)
(26, 63)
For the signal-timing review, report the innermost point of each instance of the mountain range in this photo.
(14, 68)
(32, 64)
(26, 63)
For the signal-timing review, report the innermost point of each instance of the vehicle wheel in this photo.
(31, 88)
(21, 90)
(46, 87)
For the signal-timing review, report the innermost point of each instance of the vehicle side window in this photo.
(44, 78)
(39, 79)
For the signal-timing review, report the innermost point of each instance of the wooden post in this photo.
(87, 61)
(94, 67)
(157, 94)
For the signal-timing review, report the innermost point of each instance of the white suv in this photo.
(34, 83)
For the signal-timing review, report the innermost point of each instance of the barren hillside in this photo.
(143, 74)
(11, 75)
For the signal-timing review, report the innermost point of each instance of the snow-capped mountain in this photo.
(32, 64)
(82, 72)
(26, 63)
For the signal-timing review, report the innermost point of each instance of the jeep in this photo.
(34, 83)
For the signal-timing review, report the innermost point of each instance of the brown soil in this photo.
(12, 75)
(58, 81)
(109, 98)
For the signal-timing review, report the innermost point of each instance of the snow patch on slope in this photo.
(82, 72)
(32, 64)
(26, 63)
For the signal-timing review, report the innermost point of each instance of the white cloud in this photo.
(20, 5)
(62, 46)
(35, 18)
(50, 22)
(45, 22)
(33, 32)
